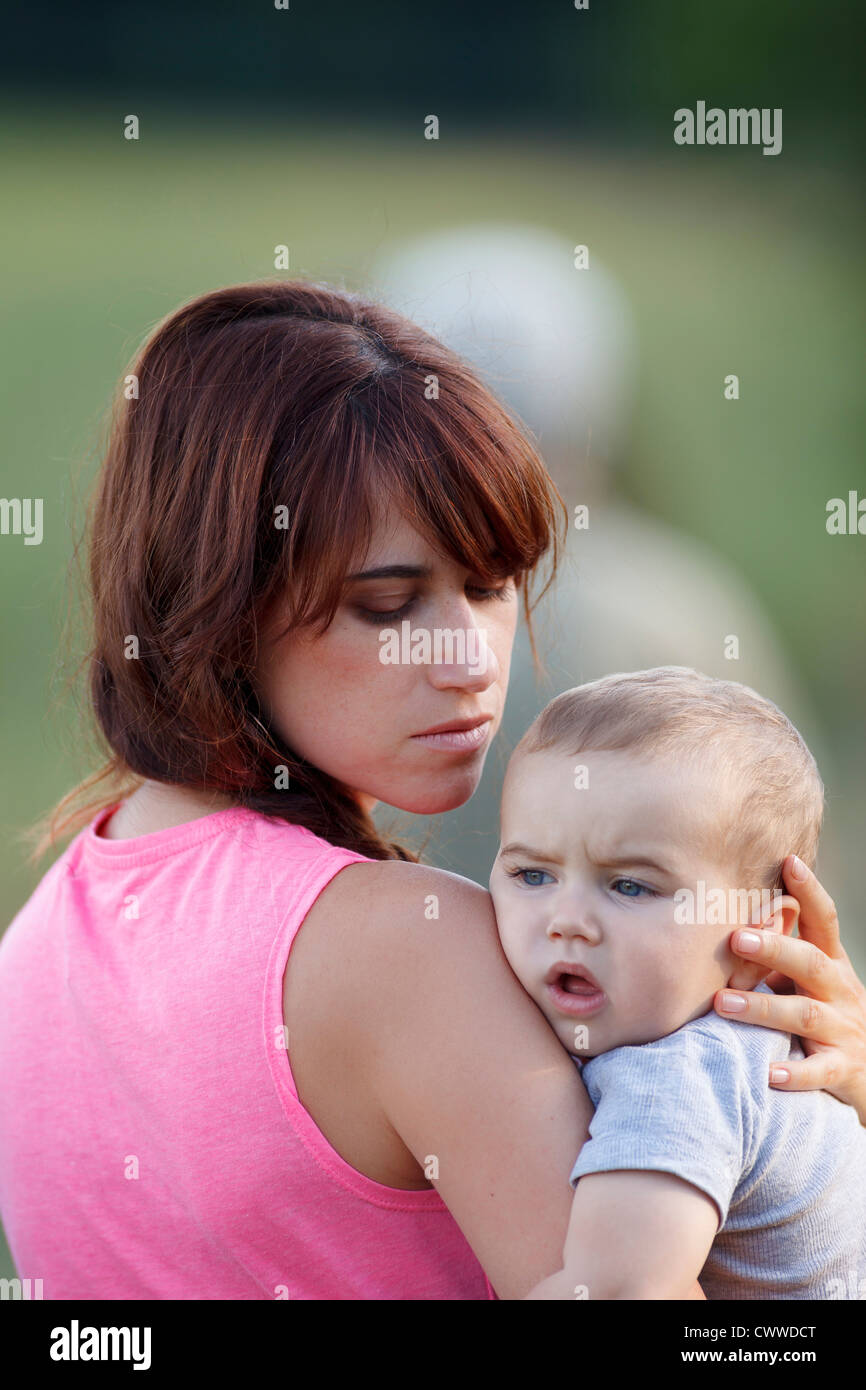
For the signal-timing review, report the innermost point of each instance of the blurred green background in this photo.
(726, 256)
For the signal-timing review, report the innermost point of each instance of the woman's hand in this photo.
(828, 1009)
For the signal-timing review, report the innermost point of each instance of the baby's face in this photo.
(592, 886)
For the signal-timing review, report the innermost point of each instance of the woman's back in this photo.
(152, 1144)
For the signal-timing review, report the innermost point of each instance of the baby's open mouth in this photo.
(572, 976)
(576, 984)
(573, 989)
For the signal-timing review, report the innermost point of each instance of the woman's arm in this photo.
(463, 1065)
(828, 1010)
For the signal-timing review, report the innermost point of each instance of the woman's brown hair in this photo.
(265, 425)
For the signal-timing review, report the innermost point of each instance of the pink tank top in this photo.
(152, 1143)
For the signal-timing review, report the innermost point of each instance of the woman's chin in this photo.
(446, 794)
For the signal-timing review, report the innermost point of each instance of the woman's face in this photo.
(357, 716)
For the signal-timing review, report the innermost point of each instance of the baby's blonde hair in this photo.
(778, 801)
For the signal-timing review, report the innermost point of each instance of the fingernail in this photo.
(798, 868)
(748, 941)
(733, 1003)
(779, 1074)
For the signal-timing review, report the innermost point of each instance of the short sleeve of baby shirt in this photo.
(681, 1105)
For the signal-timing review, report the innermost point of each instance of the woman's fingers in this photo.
(825, 1068)
(820, 1071)
(810, 968)
(818, 921)
(780, 984)
(833, 1047)
(788, 1013)
(828, 1009)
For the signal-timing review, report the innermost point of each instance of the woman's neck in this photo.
(159, 806)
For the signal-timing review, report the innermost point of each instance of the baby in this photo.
(642, 816)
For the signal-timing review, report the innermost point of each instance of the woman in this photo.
(188, 1110)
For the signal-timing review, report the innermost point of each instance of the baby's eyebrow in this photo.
(605, 861)
(515, 847)
(616, 861)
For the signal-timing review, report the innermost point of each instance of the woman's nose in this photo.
(464, 657)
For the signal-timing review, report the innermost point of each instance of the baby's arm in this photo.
(633, 1234)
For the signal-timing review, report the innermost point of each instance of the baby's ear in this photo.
(785, 915)
(783, 918)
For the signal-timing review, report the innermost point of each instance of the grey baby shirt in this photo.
(787, 1170)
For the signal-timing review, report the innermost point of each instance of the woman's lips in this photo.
(457, 740)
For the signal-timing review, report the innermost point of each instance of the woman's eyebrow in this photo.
(394, 572)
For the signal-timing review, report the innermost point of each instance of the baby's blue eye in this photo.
(631, 889)
(519, 873)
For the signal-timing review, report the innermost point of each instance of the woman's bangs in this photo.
(471, 500)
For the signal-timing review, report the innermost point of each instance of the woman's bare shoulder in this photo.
(377, 933)
(400, 876)
(370, 936)
(393, 895)
(381, 931)
(381, 923)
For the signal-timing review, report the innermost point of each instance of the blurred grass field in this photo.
(734, 264)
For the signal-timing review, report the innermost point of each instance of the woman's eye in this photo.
(502, 592)
(525, 874)
(383, 615)
(389, 615)
(630, 889)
